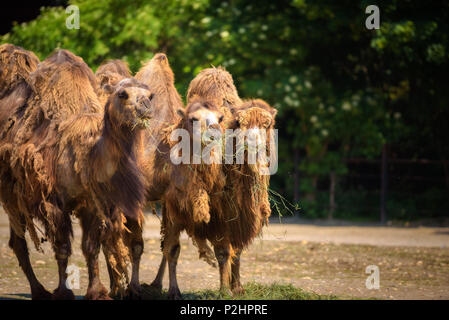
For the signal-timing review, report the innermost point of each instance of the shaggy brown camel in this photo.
(110, 74)
(61, 154)
(190, 188)
(246, 192)
(159, 77)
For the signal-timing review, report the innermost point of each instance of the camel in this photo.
(158, 76)
(246, 192)
(236, 218)
(190, 189)
(109, 74)
(62, 153)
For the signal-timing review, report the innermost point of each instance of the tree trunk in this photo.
(383, 188)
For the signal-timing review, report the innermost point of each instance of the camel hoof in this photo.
(63, 294)
(118, 293)
(134, 292)
(41, 294)
(174, 294)
(156, 285)
(225, 292)
(238, 290)
(100, 293)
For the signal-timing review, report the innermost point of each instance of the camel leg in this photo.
(91, 248)
(19, 246)
(63, 250)
(117, 291)
(171, 250)
(223, 255)
(157, 282)
(113, 279)
(236, 286)
(134, 241)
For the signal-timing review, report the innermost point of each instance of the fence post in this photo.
(333, 182)
(383, 187)
(296, 175)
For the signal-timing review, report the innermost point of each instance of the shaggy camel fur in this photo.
(64, 154)
(244, 206)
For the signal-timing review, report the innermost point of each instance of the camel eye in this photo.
(123, 94)
(220, 119)
(151, 97)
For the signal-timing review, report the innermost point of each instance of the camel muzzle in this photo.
(144, 109)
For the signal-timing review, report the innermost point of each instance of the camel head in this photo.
(112, 72)
(201, 119)
(255, 119)
(129, 105)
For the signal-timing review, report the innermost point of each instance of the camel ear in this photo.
(181, 112)
(274, 112)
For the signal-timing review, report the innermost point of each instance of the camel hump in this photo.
(215, 84)
(116, 66)
(65, 85)
(157, 72)
(258, 103)
(16, 65)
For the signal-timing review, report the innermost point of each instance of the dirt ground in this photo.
(322, 258)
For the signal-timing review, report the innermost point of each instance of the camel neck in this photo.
(115, 144)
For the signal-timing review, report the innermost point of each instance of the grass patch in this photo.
(253, 291)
